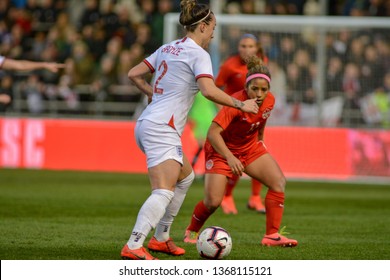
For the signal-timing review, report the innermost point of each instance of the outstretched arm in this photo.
(26, 65)
(213, 93)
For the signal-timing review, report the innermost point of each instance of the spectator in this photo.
(38, 45)
(287, 50)
(83, 64)
(104, 77)
(157, 24)
(355, 52)
(95, 37)
(126, 29)
(22, 18)
(33, 91)
(334, 74)
(372, 70)
(56, 46)
(4, 8)
(147, 9)
(278, 86)
(113, 48)
(144, 38)
(109, 19)
(66, 92)
(248, 7)
(340, 44)
(305, 86)
(268, 45)
(91, 13)
(351, 114)
(383, 48)
(17, 45)
(124, 90)
(49, 13)
(127, 61)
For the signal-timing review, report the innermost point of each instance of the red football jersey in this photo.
(240, 128)
(232, 75)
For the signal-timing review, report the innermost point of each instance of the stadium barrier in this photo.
(95, 145)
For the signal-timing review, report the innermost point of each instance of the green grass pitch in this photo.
(65, 215)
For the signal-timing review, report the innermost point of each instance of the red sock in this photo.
(256, 187)
(199, 217)
(274, 206)
(231, 184)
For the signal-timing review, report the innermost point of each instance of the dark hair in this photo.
(192, 13)
(255, 65)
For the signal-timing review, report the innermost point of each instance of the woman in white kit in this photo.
(181, 68)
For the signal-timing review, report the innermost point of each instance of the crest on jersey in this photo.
(266, 113)
(209, 164)
(179, 151)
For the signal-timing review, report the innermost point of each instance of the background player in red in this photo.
(231, 78)
(233, 147)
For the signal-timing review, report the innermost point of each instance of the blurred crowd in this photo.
(356, 76)
(100, 40)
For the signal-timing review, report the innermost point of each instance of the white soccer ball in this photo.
(214, 243)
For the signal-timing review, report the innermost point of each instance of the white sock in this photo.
(149, 215)
(164, 226)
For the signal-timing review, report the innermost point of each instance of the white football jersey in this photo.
(176, 67)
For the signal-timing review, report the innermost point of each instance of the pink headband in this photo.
(253, 76)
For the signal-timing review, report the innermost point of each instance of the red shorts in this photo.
(215, 163)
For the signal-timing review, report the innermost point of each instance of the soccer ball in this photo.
(214, 243)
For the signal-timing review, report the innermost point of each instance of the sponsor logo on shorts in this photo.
(209, 164)
(179, 151)
(266, 113)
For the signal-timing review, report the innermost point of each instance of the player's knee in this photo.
(186, 182)
(279, 184)
(212, 204)
(190, 178)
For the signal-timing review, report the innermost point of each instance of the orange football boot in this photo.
(167, 247)
(276, 239)
(228, 206)
(255, 203)
(136, 254)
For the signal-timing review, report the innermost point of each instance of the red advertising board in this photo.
(329, 153)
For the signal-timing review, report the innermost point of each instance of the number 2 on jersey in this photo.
(158, 90)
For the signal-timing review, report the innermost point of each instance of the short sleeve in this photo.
(201, 64)
(151, 61)
(225, 116)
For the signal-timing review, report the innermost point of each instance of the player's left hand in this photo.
(236, 165)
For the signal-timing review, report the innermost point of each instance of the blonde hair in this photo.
(192, 13)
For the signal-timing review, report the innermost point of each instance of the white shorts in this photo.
(158, 142)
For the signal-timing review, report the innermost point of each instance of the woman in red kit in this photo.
(231, 78)
(235, 145)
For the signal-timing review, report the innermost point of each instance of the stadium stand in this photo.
(100, 40)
